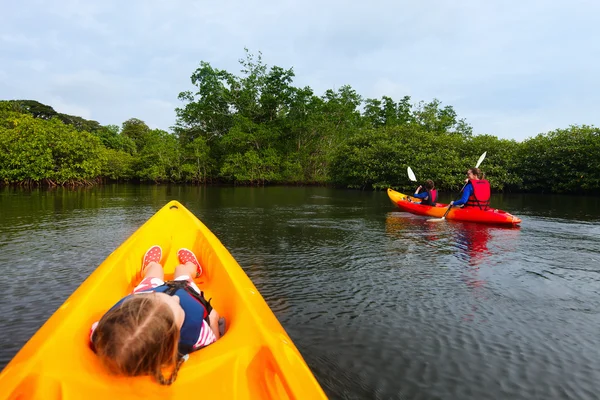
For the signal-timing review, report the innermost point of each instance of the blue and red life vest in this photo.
(431, 198)
(196, 309)
(480, 197)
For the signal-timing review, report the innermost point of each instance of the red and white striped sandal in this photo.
(186, 256)
(154, 254)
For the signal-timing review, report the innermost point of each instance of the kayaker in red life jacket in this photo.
(429, 196)
(159, 323)
(477, 191)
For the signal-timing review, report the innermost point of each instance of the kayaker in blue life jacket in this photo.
(429, 196)
(477, 191)
(159, 323)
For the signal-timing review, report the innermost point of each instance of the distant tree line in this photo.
(256, 128)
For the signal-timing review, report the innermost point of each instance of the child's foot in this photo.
(186, 256)
(154, 254)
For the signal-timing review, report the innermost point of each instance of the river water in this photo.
(382, 304)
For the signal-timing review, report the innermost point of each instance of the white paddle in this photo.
(412, 177)
(411, 174)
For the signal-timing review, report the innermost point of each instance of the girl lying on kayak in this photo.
(159, 323)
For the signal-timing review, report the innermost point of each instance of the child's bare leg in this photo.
(213, 317)
(154, 270)
(188, 269)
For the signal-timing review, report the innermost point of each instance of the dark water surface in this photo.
(382, 304)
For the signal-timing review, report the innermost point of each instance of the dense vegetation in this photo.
(257, 128)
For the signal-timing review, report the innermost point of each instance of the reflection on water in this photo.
(382, 304)
(469, 242)
(473, 241)
(471, 245)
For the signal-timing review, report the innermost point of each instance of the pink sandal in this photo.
(186, 256)
(154, 254)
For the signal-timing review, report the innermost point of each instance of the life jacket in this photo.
(196, 309)
(195, 306)
(431, 198)
(480, 197)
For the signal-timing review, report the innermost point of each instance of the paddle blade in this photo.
(436, 219)
(481, 159)
(411, 174)
(443, 218)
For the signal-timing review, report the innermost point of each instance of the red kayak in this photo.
(469, 214)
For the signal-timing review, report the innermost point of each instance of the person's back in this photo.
(480, 195)
(477, 191)
(429, 196)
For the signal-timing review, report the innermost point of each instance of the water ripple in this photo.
(381, 303)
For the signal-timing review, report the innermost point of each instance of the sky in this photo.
(512, 69)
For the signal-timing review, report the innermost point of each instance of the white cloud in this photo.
(512, 69)
(10, 39)
(63, 107)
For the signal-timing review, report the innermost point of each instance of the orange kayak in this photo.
(255, 359)
(469, 214)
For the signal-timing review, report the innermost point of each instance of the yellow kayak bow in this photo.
(255, 359)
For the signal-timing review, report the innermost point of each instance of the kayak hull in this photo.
(255, 359)
(468, 214)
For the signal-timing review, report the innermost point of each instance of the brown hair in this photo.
(429, 184)
(476, 172)
(139, 337)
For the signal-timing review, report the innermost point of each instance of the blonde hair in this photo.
(139, 337)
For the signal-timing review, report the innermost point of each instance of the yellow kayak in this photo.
(255, 359)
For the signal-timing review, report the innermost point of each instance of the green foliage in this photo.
(367, 159)
(198, 166)
(25, 154)
(292, 170)
(159, 157)
(35, 150)
(32, 107)
(257, 128)
(561, 161)
(379, 158)
(79, 123)
(136, 131)
(207, 112)
(386, 112)
(252, 167)
(43, 111)
(502, 155)
(118, 165)
(111, 138)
